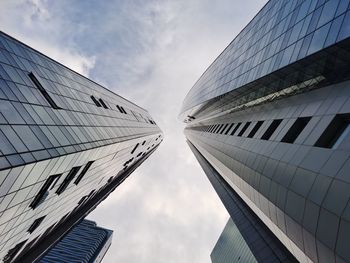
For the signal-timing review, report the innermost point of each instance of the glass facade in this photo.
(271, 116)
(84, 243)
(231, 247)
(65, 142)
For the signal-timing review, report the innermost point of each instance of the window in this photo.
(255, 129)
(271, 129)
(95, 101)
(35, 224)
(110, 179)
(335, 133)
(43, 192)
(103, 103)
(82, 200)
(236, 128)
(229, 128)
(120, 110)
(124, 110)
(67, 180)
(43, 91)
(244, 128)
(83, 172)
(220, 127)
(222, 131)
(294, 131)
(13, 251)
(133, 150)
(143, 143)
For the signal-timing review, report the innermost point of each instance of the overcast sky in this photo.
(150, 52)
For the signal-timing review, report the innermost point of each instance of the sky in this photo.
(150, 52)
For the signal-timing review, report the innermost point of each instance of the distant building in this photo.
(231, 247)
(66, 143)
(269, 122)
(85, 243)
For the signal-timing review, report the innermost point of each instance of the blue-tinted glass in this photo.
(305, 46)
(334, 30)
(305, 26)
(303, 10)
(28, 137)
(6, 146)
(345, 28)
(328, 12)
(295, 33)
(314, 20)
(12, 137)
(318, 39)
(343, 5)
(10, 113)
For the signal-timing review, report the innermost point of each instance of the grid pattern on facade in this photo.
(281, 33)
(57, 147)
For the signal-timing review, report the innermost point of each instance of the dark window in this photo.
(35, 224)
(255, 129)
(43, 192)
(67, 180)
(235, 128)
(294, 131)
(245, 127)
(229, 128)
(119, 109)
(143, 143)
(222, 131)
(103, 103)
(139, 154)
(83, 172)
(271, 129)
(13, 251)
(95, 101)
(110, 179)
(82, 200)
(336, 132)
(217, 126)
(133, 150)
(220, 128)
(43, 91)
(124, 110)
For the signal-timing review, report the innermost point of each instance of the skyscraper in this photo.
(86, 243)
(66, 143)
(269, 123)
(231, 247)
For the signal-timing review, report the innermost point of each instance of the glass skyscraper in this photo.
(85, 243)
(231, 247)
(66, 143)
(269, 123)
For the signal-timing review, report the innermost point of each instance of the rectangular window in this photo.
(255, 129)
(271, 129)
(236, 128)
(335, 133)
(120, 110)
(217, 127)
(133, 150)
(222, 131)
(83, 172)
(294, 131)
(70, 176)
(229, 128)
(221, 126)
(43, 192)
(245, 127)
(95, 101)
(43, 91)
(103, 103)
(35, 224)
(125, 111)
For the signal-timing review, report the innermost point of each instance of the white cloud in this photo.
(150, 52)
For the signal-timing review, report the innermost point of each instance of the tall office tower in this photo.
(65, 144)
(231, 247)
(269, 123)
(86, 243)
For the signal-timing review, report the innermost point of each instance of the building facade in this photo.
(85, 243)
(231, 247)
(65, 144)
(269, 123)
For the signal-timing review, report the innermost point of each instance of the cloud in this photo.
(150, 52)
